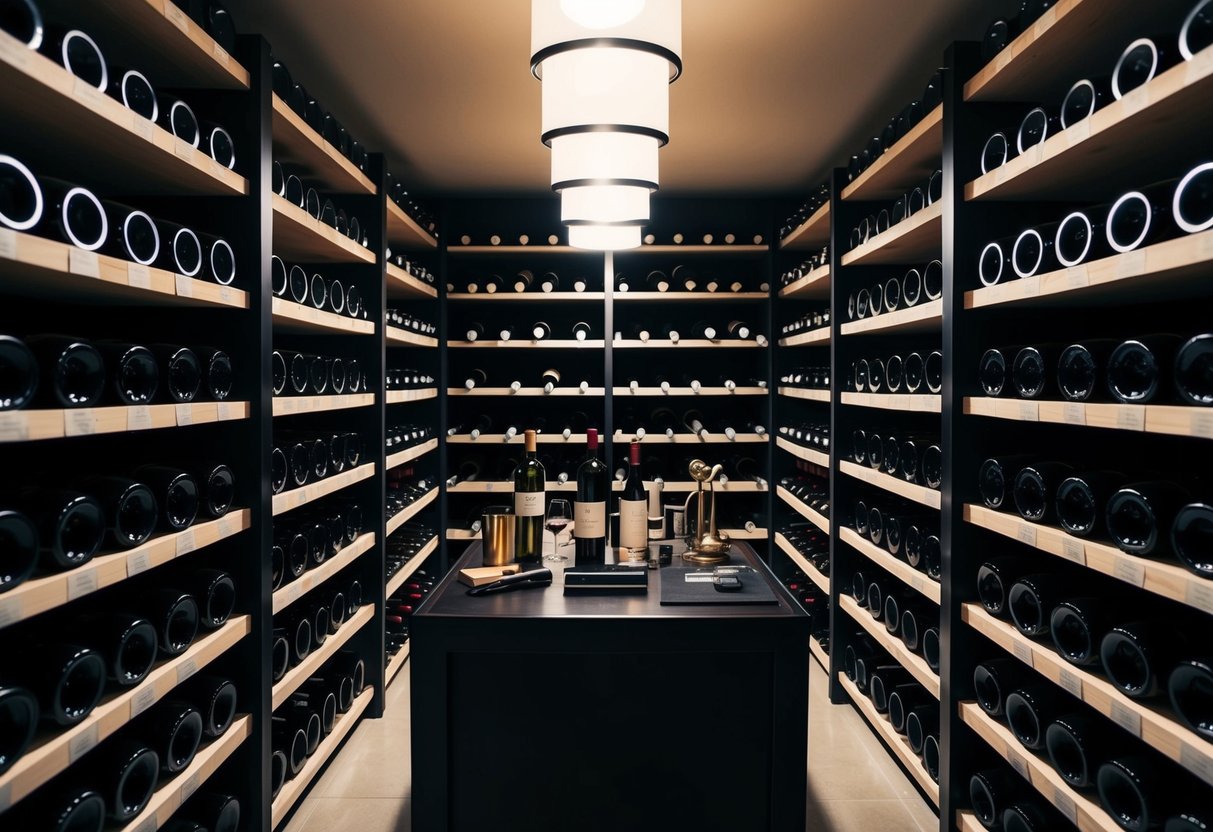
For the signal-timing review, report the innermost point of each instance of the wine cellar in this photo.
(262, 397)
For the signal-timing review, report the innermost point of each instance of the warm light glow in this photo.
(602, 14)
(560, 25)
(604, 237)
(604, 158)
(606, 86)
(604, 204)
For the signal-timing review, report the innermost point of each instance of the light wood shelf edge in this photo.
(296, 134)
(808, 395)
(894, 485)
(299, 674)
(814, 283)
(406, 284)
(689, 344)
(288, 594)
(396, 335)
(626, 392)
(398, 662)
(287, 311)
(563, 296)
(916, 318)
(820, 654)
(803, 510)
(820, 336)
(915, 664)
(524, 392)
(405, 572)
(800, 452)
(908, 575)
(406, 229)
(1170, 420)
(410, 511)
(296, 497)
(409, 454)
(532, 345)
(809, 234)
(805, 566)
(406, 396)
(931, 215)
(920, 135)
(345, 249)
(674, 297)
(291, 405)
(914, 402)
(36, 425)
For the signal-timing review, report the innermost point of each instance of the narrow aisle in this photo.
(854, 786)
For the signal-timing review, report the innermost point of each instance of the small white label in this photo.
(1018, 763)
(138, 276)
(230, 524)
(184, 286)
(183, 150)
(1126, 718)
(528, 503)
(1131, 417)
(82, 743)
(916, 584)
(226, 411)
(83, 263)
(11, 610)
(488, 486)
(1026, 533)
(139, 417)
(189, 786)
(1029, 412)
(148, 824)
(1129, 572)
(81, 583)
(1132, 263)
(1199, 595)
(79, 422)
(589, 519)
(1076, 277)
(1072, 549)
(13, 51)
(186, 669)
(1022, 651)
(1070, 682)
(229, 296)
(14, 427)
(143, 699)
(1197, 761)
(221, 55)
(185, 414)
(89, 95)
(8, 244)
(1065, 805)
(1202, 424)
(176, 16)
(143, 128)
(1074, 413)
(186, 542)
(633, 524)
(138, 563)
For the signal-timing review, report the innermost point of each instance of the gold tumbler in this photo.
(497, 531)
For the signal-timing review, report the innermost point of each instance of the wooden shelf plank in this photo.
(1172, 420)
(524, 392)
(693, 439)
(669, 486)
(912, 662)
(401, 284)
(814, 285)
(528, 297)
(296, 497)
(31, 425)
(818, 653)
(894, 485)
(898, 744)
(53, 753)
(1087, 815)
(915, 403)
(409, 454)
(462, 534)
(925, 317)
(299, 237)
(297, 786)
(814, 232)
(398, 661)
(396, 335)
(405, 572)
(804, 565)
(688, 391)
(687, 344)
(808, 395)
(1169, 580)
(916, 239)
(410, 511)
(41, 268)
(296, 317)
(518, 439)
(299, 674)
(899, 569)
(815, 517)
(288, 594)
(678, 297)
(819, 336)
(290, 405)
(801, 452)
(403, 230)
(406, 396)
(1173, 269)
(908, 163)
(541, 249)
(533, 345)
(699, 248)
(1158, 728)
(38, 595)
(96, 139)
(968, 822)
(295, 142)
(746, 534)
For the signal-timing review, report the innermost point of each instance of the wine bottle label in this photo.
(589, 519)
(528, 503)
(633, 524)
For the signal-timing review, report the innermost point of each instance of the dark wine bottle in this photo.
(1030, 709)
(1030, 371)
(1081, 500)
(1035, 128)
(18, 549)
(991, 792)
(174, 730)
(130, 509)
(133, 370)
(1082, 237)
(589, 508)
(1188, 688)
(182, 371)
(1032, 598)
(1139, 515)
(1135, 367)
(1141, 217)
(1137, 791)
(215, 593)
(993, 263)
(67, 679)
(1079, 368)
(1141, 61)
(1135, 654)
(175, 615)
(529, 492)
(994, 680)
(1194, 370)
(1192, 537)
(126, 772)
(1077, 624)
(992, 372)
(1035, 487)
(633, 511)
(176, 495)
(71, 525)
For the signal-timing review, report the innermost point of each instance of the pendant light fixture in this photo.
(606, 67)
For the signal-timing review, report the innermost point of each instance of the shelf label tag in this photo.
(1196, 761)
(14, 427)
(1022, 651)
(139, 417)
(13, 51)
(221, 55)
(1029, 412)
(176, 16)
(138, 276)
(143, 128)
(917, 585)
(186, 669)
(1026, 533)
(8, 244)
(81, 583)
(1202, 424)
(1080, 132)
(6, 797)
(148, 824)
(186, 542)
(229, 524)
(1072, 549)
(1131, 417)
(1132, 263)
(143, 699)
(184, 286)
(227, 411)
(81, 422)
(1070, 681)
(1077, 278)
(138, 563)
(1018, 763)
(1074, 413)
(285, 405)
(1129, 572)
(229, 296)
(185, 414)
(189, 786)
(1065, 805)
(83, 263)
(184, 150)
(82, 743)
(89, 95)
(1126, 718)
(1199, 595)
(10, 610)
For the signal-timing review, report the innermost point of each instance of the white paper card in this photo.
(186, 542)
(1071, 682)
(139, 417)
(1074, 413)
(1072, 549)
(83, 263)
(1026, 533)
(14, 427)
(138, 276)
(8, 244)
(184, 286)
(82, 743)
(1199, 595)
(11, 610)
(1065, 805)
(1130, 572)
(138, 563)
(1131, 417)
(1197, 761)
(1126, 718)
(176, 16)
(1022, 651)
(81, 583)
(143, 699)
(186, 669)
(185, 414)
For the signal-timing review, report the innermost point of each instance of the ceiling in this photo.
(774, 93)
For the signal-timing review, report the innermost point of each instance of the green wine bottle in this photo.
(529, 504)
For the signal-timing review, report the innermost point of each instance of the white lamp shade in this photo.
(604, 204)
(590, 88)
(604, 237)
(649, 25)
(604, 158)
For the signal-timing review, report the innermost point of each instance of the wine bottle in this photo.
(664, 421)
(1194, 370)
(130, 509)
(550, 379)
(670, 332)
(176, 495)
(476, 377)
(506, 333)
(992, 372)
(540, 331)
(133, 370)
(71, 525)
(589, 507)
(1081, 500)
(1141, 61)
(1139, 514)
(1035, 487)
(1032, 598)
(581, 331)
(693, 421)
(633, 511)
(1135, 367)
(550, 282)
(529, 489)
(24, 208)
(125, 771)
(703, 330)
(523, 280)
(67, 679)
(71, 372)
(685, 277)
(175, 731)
(657, 281)
(1139, 789)
(1077, 624)
(739, 329)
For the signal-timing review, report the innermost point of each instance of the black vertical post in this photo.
(841, 624)
(608, 368)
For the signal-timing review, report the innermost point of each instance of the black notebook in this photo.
(676, 590)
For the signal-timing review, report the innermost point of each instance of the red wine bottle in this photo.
(589, 507)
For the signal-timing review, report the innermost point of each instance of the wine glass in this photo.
(560, 514)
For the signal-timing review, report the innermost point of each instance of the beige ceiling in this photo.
(774, 93)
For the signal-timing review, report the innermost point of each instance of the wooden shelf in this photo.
(743, 534)
(462, 534)
(396, 335)
(912, 240)
(405, 572)
(41, 268)
(288, 594)
(1084, 812)
(299, 237)
(406, 396)
(808, 395)
(714, 248)
(908, 163)
(968, 822)
(892, 645)
(524, 392)
(403, 230)
(815, 517)
(898, 744)
(31, 425)
(296, 497)
(297, 786)
(1061, 45)
(409, 454)
(899, 569)
(693, 439)
(56, 752)
(172, 48)
(813, 286)
(297, 317)
(1172, 420)
(528, 297)
(819, 336)
(813, 233)
(300, 673)
(1170, 580)
(290, 405)
(518, 439)
(818, 653)
(678, 297)
(94, 138)
(538, 248)
(1173, 269)
(533, 345)
(397, 663)
(410, 511)
(687, 391)
(925, 317)
(296, 142)
(401, 284)
(894, 485)
(687, 344)
(812, 572)
(801, 452)
(38, 595)
(507, 487)
(914, 403)
(1156, 727)
(169, 796)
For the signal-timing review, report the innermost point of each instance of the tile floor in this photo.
(854, 785)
